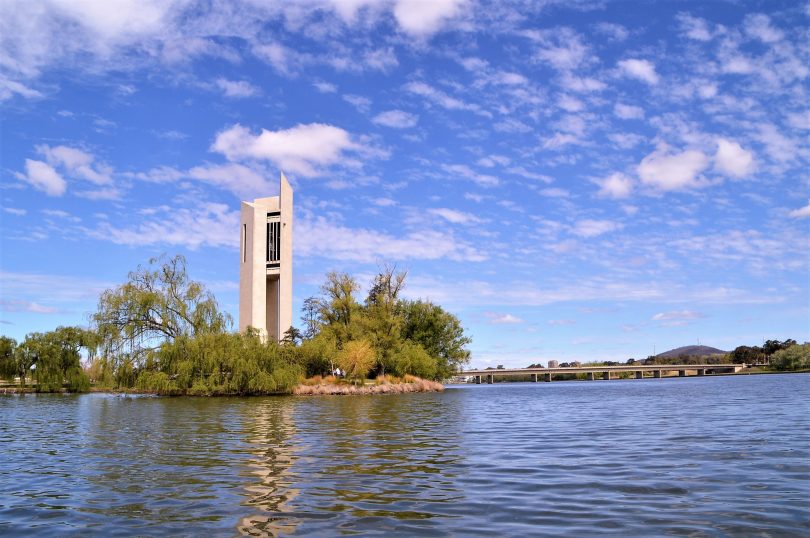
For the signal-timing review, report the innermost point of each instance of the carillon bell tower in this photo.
(265, 268)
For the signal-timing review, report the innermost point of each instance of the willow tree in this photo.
(158, 304)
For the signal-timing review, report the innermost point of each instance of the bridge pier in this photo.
(639, 374)
(548, 377)
(590, 376)
(534, 378)
(490, 379)
(606, 376)
(702, 371)
(478, 380)
(681, 373)
(657, 374)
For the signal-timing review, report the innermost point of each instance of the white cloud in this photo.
(731, 159)
(758, 26)
(43, 177)
(554, 192)
(321, 237)
(677, 318)
(616, 185)
(485, 180)
(594, 228)
(398, 119)
(244, 182)
(442, 99)
(325, 87)
(801, 213)
(643, 70)
(560, 140)
(561, 47)
(570, 104)
(380, 59)
(672, 172)
(510, 79)
(799, 120)
(511, 125)
(362, 104)
(492, 160)
(420, 18)
(677, 315)
(236, 88)
(454, 216)
(694, 27)
(616, 32)
(522, 172)
(384, 202)
(628, 112)
(15, 211)
(777, 145)
(283, 59)
(18, 305)
(503, 319)
(207, 224)
(9, 88)
(582, 84)
(304, 149)
(77, 163)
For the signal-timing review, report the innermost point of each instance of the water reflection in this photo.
(270, 432)
(697, 456)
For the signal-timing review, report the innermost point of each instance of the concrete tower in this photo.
(265, 268)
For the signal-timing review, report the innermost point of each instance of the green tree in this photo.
(795, 357)
(772, 346)
(411, 358)
(439, 333)
(356, 358)
(8, 361)
(746, 355)
(292, 336)
(382, 316)
(310, 318)
(158, 304)
(338, 310)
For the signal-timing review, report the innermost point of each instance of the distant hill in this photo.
(691, 351)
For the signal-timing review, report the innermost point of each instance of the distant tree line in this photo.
(162, 332)
(785, 355)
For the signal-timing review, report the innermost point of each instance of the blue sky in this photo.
(575, 180)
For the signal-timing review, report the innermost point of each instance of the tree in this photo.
(158, 304)
(746, 355)
(795, 357)
(310, 317)
(356, 358)
(338, 309)
(382, 317)
(292, 336)
(8, 363)
(772, 346)
(439, 333)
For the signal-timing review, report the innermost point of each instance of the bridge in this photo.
(605, 372)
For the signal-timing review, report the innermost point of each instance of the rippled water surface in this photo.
(725, 456)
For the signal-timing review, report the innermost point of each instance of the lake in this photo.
(709, 456)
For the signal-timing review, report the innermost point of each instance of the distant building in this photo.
(553, 364)
(265, 274)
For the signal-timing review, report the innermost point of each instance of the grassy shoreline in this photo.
(308, 387)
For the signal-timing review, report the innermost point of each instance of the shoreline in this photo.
(329, 389)
(422, 385)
